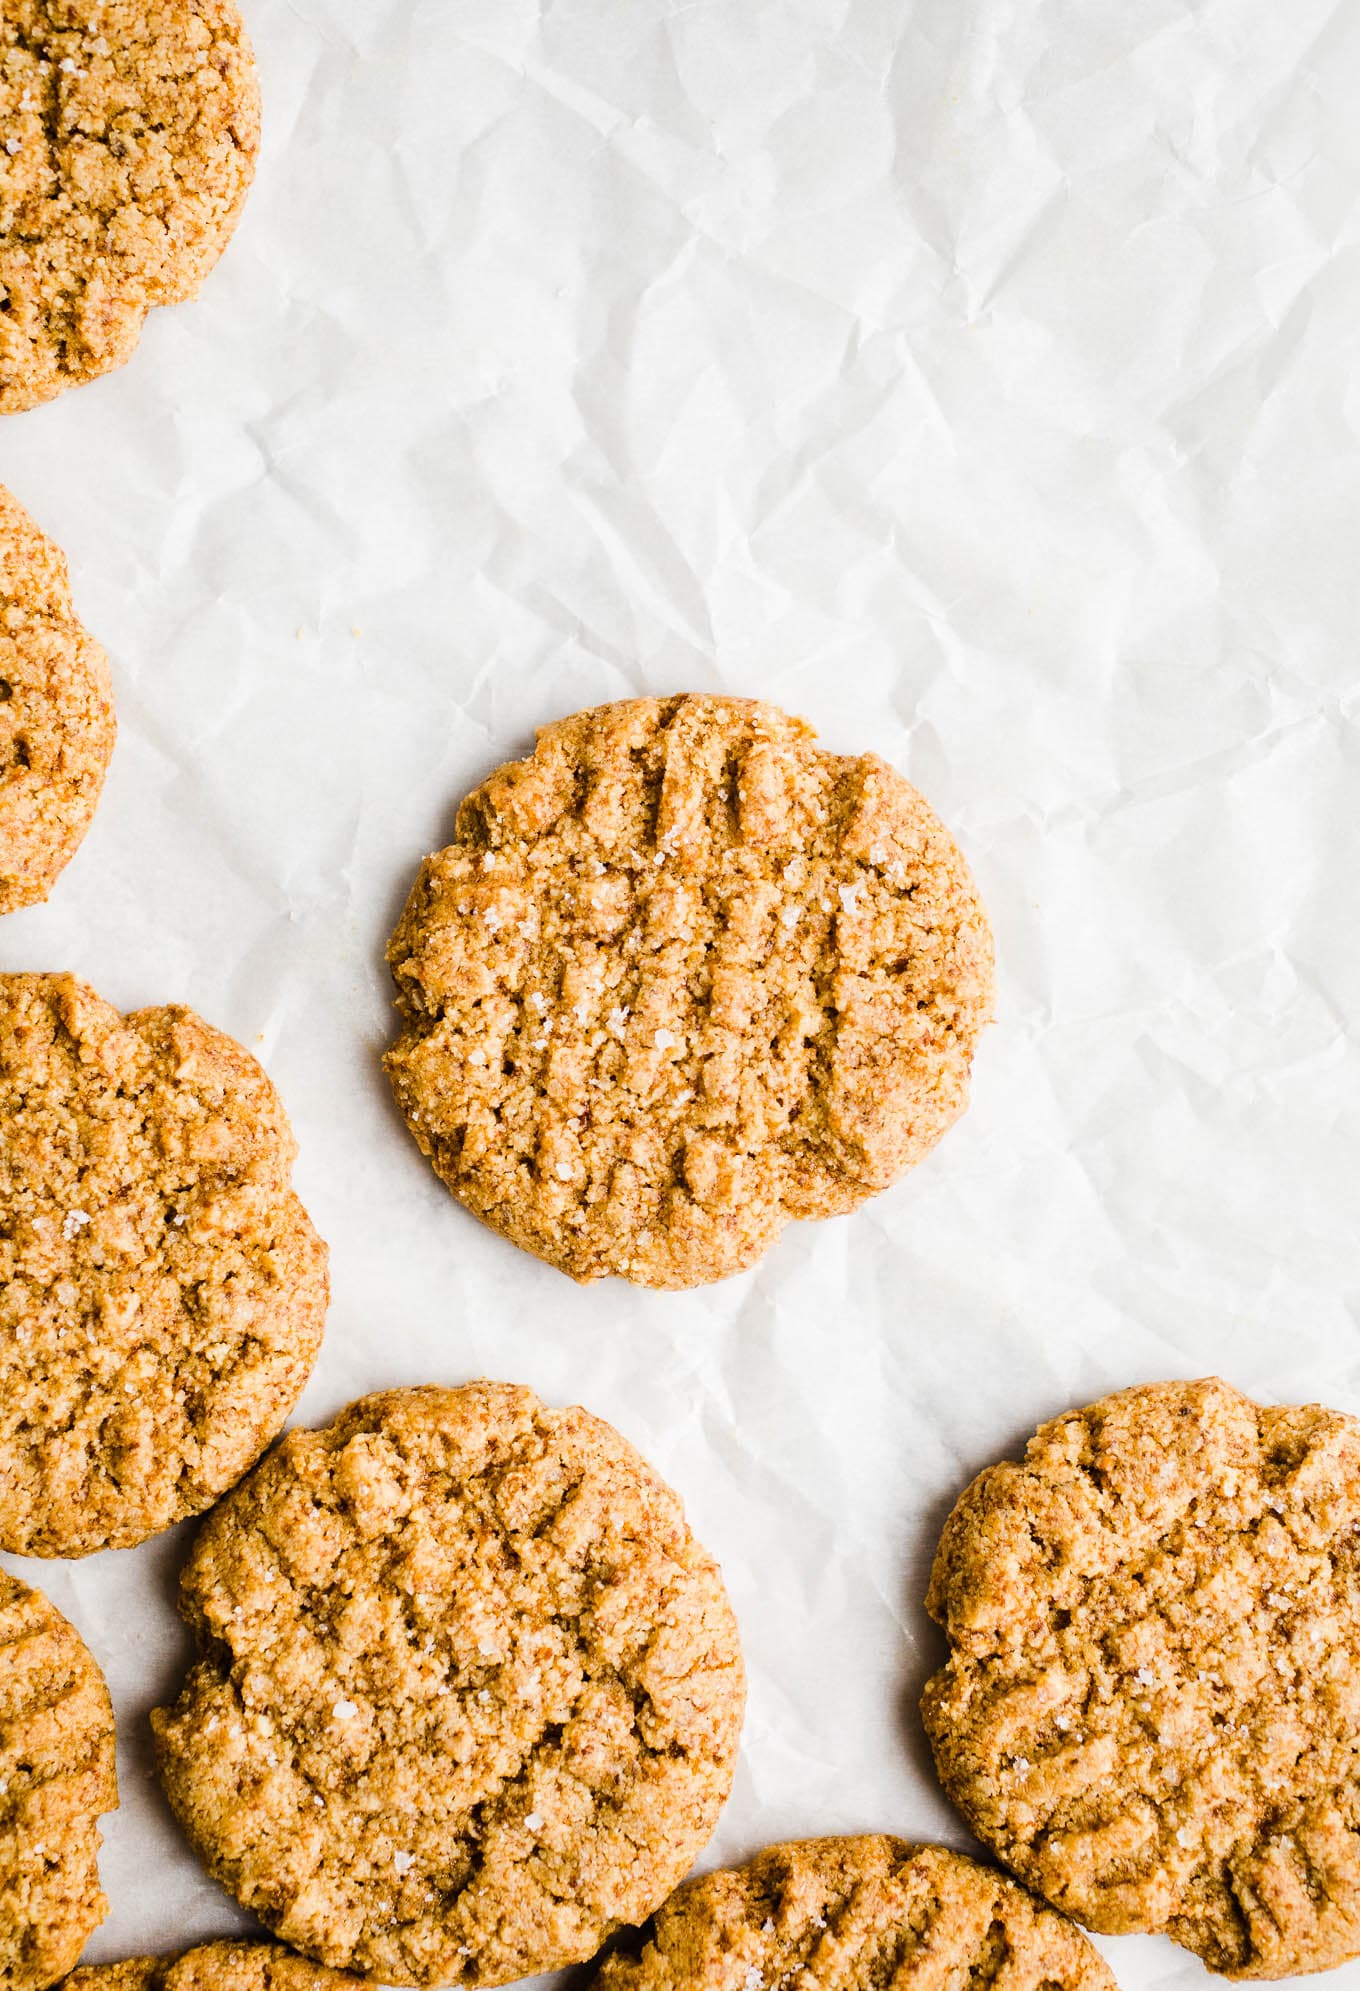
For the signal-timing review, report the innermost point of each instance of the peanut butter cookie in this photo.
(1152, 1706)
(469, 1691)
(131, 133)
(56, 713)
(162, 1291)
(856, 1915)
(56, 1778)
(680, 977)
(213, 1967)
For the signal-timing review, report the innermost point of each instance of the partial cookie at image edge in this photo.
(162, 1289)
(57, 1778)
(135, 129)
(851, 1914)
(215, 1966)
(57, 725)
(1152, 1699)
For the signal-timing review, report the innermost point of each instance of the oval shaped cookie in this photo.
(56, 713)
(224, 1966)
(469, 1692)
(857, 1915)
(162, 1291)
(132, 128)
(680, 977)
(1151, 1709)
(56, 1779)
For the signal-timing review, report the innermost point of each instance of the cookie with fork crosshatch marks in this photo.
(680, 977)
(1151, 1709)
(469, 1692)
(854, 1915)
(162, 1290)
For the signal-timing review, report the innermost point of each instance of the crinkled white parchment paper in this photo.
(976, 377)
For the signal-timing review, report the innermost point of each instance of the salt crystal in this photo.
(789, 916)
(75, 1220)
(1185, 1837)
(11, 146)
(535, 1821)
(849, 897)
(563, 1171)
(767, 1926)
(665, 1041)
(345, 1710)
(403, 1862)
(1020, 1764)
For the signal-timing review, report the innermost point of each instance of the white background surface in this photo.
(976, 377)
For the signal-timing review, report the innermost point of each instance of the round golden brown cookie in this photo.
(856, 1915)
(469, 1695)
(56, 1778)
(1152, 1706)
(680, 977)
(162, 1291)
(56, 713)
(225, 1966)
(131, 133)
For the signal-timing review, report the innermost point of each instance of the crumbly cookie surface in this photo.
(56, 713)
(855, 1915)
(56, 1778)
(131, 133)
(226, 1966)
(681, 976)
(1151, 1710)
(469, 1695)
(162, 1291)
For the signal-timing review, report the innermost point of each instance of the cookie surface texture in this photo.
(226, 1966)
(131, 133)
(56, 713)
(680, 977)
(469, 1694)
(162, 1291)
(855, 1915)
(1151, 1711)
(56, 1779)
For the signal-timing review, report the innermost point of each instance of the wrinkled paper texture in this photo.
(974, 377)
